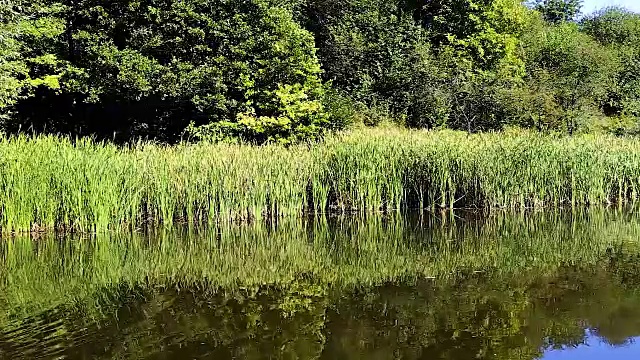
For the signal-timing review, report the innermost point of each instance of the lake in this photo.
(452, 285)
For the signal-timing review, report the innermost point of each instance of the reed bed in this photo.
(48, 182)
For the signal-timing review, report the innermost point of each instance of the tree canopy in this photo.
(266, 70)
(558, 10)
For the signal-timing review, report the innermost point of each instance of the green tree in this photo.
(402, 55)
(568, 74)
(619, 30)
(10, 64)
(555, 11)
(364, 45)
(613, 26)
(151, 68)
(25, 20)
(485, 31)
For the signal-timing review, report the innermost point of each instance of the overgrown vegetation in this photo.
(54, 183)
(283, 71)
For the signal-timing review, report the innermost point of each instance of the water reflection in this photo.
(471, 318)
(524, 286)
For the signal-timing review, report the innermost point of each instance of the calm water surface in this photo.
(561, 285)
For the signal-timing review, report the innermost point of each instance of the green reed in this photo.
(49, 182)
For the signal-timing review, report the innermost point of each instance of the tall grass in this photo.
(51, 182)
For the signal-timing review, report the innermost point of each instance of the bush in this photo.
(149, 68)
(613, 26)
(620, 30)
(568, 74)
(362, 42)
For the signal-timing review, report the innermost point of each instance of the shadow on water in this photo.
(452, 286)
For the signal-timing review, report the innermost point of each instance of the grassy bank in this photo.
(50, 182)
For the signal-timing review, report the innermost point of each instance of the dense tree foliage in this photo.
(285, 70)
(558, 10)
(619, 31)
(25, 60)
(401, 57)
(568, 76)
(9, 57)
(153, 67)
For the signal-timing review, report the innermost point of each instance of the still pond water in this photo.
(548, 285)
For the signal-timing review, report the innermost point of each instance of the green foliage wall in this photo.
(418, 60)
(619, 30)
(267, 70)
(568, 75)
(22, 20)
(150, 68)
(9, 57)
